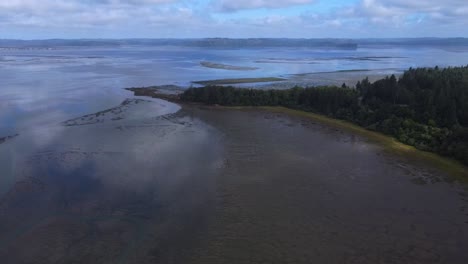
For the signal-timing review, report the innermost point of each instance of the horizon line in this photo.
(246, 38)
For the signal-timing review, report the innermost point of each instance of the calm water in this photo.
(295, 191)
(90, 173)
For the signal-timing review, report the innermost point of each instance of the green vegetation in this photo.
(339, 71)
(240, 80)
(426, 108)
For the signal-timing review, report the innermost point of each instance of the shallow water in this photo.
(294, 191)
(220, 186)
(105, 192)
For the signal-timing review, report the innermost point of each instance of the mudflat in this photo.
(295, 191)
(218, 185)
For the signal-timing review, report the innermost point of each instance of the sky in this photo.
(43, 19)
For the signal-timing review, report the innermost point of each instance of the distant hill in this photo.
(227, 43)
(211, 42)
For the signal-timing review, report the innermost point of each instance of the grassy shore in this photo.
(239, 81)
(220, 66)
(391, 145)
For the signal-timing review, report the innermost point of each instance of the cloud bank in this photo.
(232, 6)
(224, 18)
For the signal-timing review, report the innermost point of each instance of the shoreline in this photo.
(452, 167)
(389, 144)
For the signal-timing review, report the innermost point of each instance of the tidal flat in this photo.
(270, 187)
(122, 195)
(294, 190)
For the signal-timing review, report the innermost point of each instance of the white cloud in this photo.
(423, 4)
(192, 18)
(401, 10)
(232, 6)
(75, 13)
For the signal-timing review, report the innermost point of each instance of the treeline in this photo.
(426, 107)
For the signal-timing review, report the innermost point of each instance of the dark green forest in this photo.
(425, 107)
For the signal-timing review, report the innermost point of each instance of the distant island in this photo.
(453, 44)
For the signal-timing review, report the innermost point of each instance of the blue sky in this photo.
(38, 19)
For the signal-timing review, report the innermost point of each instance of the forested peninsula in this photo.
(426, 107)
